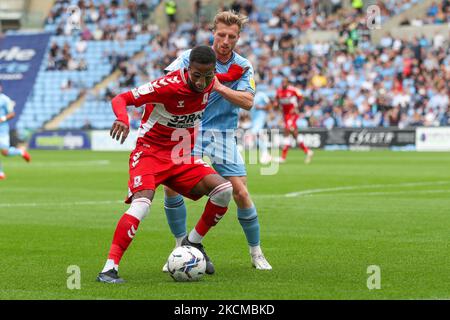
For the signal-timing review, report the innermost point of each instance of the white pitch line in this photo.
(373, 186)
(288, 195)
(395, 192)
(62, 164)
(355, 187)
(58, 204)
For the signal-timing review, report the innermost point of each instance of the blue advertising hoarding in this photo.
(20, 59)
(60, 140)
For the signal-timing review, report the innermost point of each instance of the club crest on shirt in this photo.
(145, 89)
(252, 83)
(142, 90)
(137, 181)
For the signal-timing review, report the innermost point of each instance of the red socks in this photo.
(284, 152)
(210, 217)
(124, 234)
(128, 225)
(302, 146)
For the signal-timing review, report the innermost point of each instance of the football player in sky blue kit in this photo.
(6, 114)
(216, 137)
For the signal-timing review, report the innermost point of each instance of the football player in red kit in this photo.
(174, 105)
(289, 98)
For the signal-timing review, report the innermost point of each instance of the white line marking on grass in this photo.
(373, 186)
(62, 163)
(355, 187)
(58, 204)
(396, 192)
(288, 195)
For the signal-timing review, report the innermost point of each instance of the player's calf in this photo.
(125, 232)
(215, 209)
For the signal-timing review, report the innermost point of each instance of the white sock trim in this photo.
(195, 237)
(221, 195)
(139, 208)
(178, 242)
(110, 265)
(256, 250)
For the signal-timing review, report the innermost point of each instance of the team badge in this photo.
(145, 89)
(252, 83)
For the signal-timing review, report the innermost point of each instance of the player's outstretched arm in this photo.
(8, 117)
(137, 97)
(121, 126)
(11, 114)
(242, 99)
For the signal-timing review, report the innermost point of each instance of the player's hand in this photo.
(217, 84)
(119, 129)
(235, 72)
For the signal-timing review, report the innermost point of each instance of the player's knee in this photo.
(169, 193)
(221, 195)
(241, 195)
(139, 208)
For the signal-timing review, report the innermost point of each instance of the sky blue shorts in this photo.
(4, 141)
(221, 148)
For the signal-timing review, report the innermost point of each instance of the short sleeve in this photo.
(8, 103)
(247, 82)
(181, 62)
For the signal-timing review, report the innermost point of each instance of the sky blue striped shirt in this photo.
(220, 114)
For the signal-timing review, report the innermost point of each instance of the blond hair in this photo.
(230, 18)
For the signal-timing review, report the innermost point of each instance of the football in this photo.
(186, 263)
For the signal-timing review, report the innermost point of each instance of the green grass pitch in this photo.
(322, 226)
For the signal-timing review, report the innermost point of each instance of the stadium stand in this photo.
(437, 13)
(80, 56)
(347, 82)
(11, 12)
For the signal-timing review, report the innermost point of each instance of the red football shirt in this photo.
(172, 112)
(288, 99)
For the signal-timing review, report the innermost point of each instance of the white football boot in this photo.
(265, 158)
(309, 156)
(260, 262)
(279, 160)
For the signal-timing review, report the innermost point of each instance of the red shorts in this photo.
(148, 171)
(290, 121)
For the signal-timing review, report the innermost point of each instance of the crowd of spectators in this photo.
(348, 82)
(117, 20)
(345, 83)
(305, 15)
(60, 58)
(438, 13)
(88, 20)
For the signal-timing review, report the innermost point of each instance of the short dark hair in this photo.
(202, 55)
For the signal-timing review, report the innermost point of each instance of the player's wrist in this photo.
(3, 119)
(219, 87)
(124, 121)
